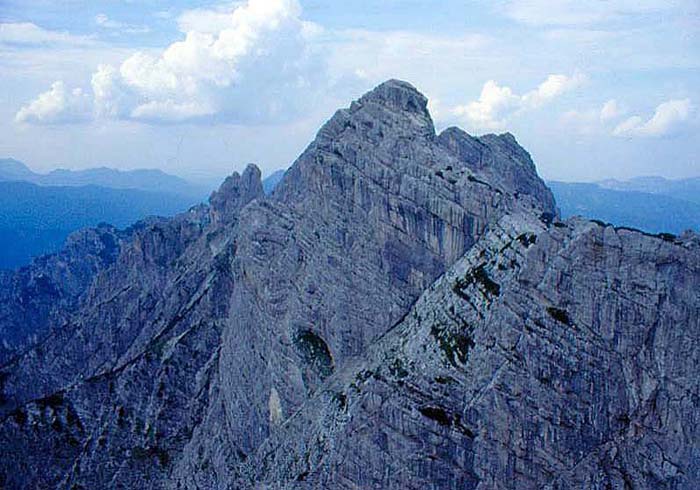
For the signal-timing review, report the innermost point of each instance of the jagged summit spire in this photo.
(389, 129)
(394, 107)
(398, 95)
(235, 192)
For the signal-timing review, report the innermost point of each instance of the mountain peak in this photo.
(399, 96)
(236, 191)
(11, 169)
(395, 277)
(392, 108)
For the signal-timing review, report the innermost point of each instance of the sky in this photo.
(593, 89)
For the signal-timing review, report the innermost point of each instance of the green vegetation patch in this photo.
(341, 399)
(145, 453)
(446, 419)
(547, 218)
(480, 277)
(455, 345)
(54, 401)
(437, 414)
(315, 352)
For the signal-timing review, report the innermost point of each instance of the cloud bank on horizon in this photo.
(271, 62)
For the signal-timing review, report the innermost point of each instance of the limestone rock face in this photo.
(555, 357)
(276, 342)
(236, 191)
(51, 287)
(501, 158)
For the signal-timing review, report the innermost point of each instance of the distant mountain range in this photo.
(685, 189)
(270, 182)
(150, 180)
(652, 204)
(38, 211)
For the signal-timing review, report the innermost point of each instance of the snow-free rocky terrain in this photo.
(404, 311)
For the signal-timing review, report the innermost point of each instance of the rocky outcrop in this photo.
(554, 357)
(236, 191)
(44, 293)
(270, 341)
(501, 158)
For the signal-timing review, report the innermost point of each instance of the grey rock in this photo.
(48, 290)
(546, 358)
(501, 158)
(236, 191)
(273, 341)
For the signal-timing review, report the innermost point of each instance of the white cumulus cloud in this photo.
(496, 103)
(208, 20)
(669, 117)
(57, 105)
(596, 119)
(253, 63)
(490, 111)
(552, 87)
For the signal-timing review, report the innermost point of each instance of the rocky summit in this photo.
(405, 310)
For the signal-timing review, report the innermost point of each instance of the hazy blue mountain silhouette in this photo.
(270, 182)
(686, 189)
(38, 211)
(151, 180)
(652, 212)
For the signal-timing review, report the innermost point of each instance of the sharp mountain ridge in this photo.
(404, 310)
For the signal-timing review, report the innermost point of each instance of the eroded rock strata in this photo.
(405, 310)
